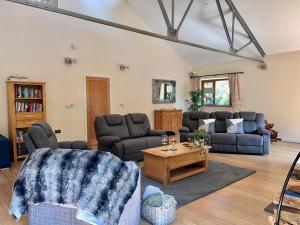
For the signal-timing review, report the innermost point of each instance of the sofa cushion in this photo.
(191, 119)
(221, 117)
(138, 124)
(252, 121)
(249, 140)
(134, 145)
(113, 120)
(251, 116)
(208, 125)
(137, 117)
(153, 142)
(235, 126)
(225, 139)
(102, 127)
(250, 127)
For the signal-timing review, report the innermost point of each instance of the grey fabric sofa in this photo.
(125, 136)
(255, 140)
(40, 135)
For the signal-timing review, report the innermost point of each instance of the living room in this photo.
(64, 51)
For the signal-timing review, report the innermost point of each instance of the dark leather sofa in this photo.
(40, 135)
(125, 136)
(255, 140)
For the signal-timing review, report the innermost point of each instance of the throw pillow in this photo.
(208, 125)
(235, 126)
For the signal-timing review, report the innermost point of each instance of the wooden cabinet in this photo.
(170, 120)
(26, 105)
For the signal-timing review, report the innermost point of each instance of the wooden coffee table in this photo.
(170, 166)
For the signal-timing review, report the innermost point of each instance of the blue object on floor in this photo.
(5, 159)
(294, 194)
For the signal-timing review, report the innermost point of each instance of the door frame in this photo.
(84, 77)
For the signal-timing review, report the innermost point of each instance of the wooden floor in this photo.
(241, 203)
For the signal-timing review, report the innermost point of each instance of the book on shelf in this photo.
(28, 92)
(29, 107)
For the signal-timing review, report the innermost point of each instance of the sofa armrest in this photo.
(83, 145)
(184, 130)
(262, 131)
(65, 144)
(156, 133)
(109, 140)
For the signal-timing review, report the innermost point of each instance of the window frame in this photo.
(214, 93)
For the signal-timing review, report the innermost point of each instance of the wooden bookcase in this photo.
(26, 105)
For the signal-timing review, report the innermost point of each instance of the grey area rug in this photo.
(192, 188)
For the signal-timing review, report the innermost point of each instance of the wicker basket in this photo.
(163, 215)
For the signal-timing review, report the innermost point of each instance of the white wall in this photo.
(34, 43)
(275, 91)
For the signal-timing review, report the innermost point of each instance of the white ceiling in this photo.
(273, 23)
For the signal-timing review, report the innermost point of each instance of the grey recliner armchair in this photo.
(40, 135)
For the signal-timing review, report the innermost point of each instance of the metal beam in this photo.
(173, 14)
(244, 46)
(245, 26)
(165, 14)
(184, 15)
(128, 28)
(233, 30)
(224, 24)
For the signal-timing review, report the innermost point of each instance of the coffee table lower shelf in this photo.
(183, 172)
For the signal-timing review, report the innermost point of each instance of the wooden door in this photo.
(98, 103)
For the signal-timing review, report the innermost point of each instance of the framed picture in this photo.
(163, 91)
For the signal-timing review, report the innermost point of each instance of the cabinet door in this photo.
(168, 123)
(177, 121)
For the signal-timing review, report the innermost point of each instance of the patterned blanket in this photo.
(94, 182)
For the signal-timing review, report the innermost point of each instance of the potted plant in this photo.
(200, 137)
(196, 101)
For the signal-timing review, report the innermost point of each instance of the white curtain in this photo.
(195, 83)
(234, 84)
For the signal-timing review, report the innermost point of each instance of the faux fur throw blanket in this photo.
(95, 182)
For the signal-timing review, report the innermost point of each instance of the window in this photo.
(216, 92)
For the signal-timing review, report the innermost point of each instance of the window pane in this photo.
(208, 98)
(208, 84)
(222, 92)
